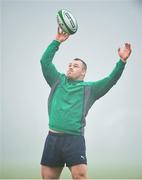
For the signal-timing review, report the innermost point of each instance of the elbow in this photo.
(42, 63)
(41, 60)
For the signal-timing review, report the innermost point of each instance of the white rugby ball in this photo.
(66, 21)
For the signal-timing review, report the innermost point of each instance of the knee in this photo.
(48, 175)
(45, 175)
(79, 175)
(79, 171)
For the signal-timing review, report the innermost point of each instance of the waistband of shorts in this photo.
(61, 134)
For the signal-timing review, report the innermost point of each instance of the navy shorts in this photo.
(61, 149)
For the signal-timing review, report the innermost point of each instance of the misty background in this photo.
(114, 124)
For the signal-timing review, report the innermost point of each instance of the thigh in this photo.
(74, 151)
(79, 171)
(51, 172)
(51, 156)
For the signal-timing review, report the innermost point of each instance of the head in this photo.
(77, 69)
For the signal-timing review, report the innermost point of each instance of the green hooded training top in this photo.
(69, 101)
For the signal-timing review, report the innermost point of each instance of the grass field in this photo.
(30, 172)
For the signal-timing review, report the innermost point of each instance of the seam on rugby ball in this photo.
(61, 16)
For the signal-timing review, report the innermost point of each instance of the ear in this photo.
(83, 72)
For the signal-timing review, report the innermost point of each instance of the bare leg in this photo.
(79, 171)
(51, 172)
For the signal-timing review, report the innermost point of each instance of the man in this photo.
(68, 104)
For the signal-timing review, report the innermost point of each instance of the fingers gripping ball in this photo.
(67, 22)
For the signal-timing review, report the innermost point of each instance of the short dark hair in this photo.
(84, 64)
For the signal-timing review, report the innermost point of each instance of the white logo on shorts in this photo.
(82, 157)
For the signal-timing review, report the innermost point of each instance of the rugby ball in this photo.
(66, 21)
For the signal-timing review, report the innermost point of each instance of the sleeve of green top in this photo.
(49, 70)
(101, 87)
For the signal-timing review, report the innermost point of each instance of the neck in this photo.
(78, 79)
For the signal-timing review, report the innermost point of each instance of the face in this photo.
(76, 70)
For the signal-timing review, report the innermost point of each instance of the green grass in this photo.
(33, 172)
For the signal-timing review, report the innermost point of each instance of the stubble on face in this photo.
(75, 70)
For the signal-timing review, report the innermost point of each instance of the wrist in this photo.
(58, 40)
(124, 61)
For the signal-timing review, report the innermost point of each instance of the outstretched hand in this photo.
(125, 52)
(61, 36)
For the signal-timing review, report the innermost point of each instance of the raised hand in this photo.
(125, 52)
(61, 36)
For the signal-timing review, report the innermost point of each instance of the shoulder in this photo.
(62, 77)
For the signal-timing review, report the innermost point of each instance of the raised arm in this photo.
(49, 70)
(101, 87)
